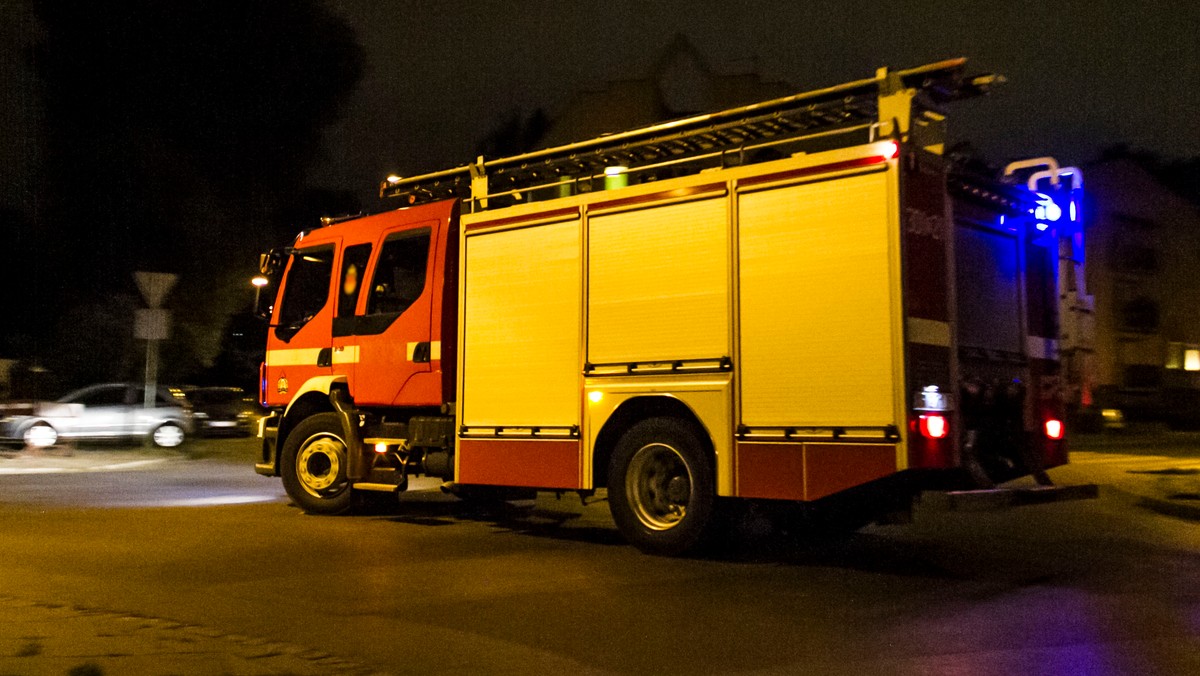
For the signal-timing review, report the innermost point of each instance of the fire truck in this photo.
(798, 303)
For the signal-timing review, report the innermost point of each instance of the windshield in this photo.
(306, 289)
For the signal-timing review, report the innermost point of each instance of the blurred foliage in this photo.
(516, 134)
(178, 136)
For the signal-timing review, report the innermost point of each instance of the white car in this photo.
(111, 411)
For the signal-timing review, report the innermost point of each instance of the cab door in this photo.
(392, 327)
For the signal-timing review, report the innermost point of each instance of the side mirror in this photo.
(272, 261)
(269, 265)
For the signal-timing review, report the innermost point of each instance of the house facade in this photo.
(1143, 268)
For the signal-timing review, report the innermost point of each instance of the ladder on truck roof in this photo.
(878, 107)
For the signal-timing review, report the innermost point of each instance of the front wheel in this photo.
(660, 487)
(40, 435)
(315, 464)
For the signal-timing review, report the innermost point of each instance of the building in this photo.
(679, 83)
(1143, 268)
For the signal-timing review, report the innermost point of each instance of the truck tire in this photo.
(660, 487)
(315, 465)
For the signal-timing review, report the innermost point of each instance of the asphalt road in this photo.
(1097, 587)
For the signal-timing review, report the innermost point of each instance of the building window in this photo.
(1185, 356)
(1139, 315)
(1142, 376)
(1174, 358)
(1134, 246)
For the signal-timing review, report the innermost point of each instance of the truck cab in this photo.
(367, 291)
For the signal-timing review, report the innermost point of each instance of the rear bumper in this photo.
(992, 499)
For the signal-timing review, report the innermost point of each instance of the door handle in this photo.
(421, 352)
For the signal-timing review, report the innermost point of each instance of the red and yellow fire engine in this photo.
(797, 302)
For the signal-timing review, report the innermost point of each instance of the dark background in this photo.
(187, 137)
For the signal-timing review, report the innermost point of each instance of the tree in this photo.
(179, 137)
(515, 135)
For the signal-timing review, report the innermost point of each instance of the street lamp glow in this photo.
(259, 281)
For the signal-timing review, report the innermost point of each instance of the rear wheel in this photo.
(315, 464)
(167, 435)
(661, 488)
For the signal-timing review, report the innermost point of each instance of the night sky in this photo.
(1082, 74)
(436, 78)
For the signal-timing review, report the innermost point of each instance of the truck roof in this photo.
(699, 141)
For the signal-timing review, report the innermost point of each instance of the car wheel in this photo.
(167, 435)
(40, 435)
(315, 464)
(660, 487)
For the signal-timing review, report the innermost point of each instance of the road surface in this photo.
(202, 544)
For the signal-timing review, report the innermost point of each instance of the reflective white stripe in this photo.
(1041, 348)
(308, 356)
(928, 331)
(293, 357)
(345, 355)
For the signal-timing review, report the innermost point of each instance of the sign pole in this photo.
(153, 324)
(151, 373)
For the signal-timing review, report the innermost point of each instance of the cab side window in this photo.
(354, 271)
(399, 278)
(306, 290)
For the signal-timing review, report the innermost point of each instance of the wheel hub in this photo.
(679, 489)
(40, 436)
(168, 436)
(659, 486)
(319, 465)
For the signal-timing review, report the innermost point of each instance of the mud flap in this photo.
(268, 432)
(993, 499)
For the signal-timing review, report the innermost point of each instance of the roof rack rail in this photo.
(877, 107)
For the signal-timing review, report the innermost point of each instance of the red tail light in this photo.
(1054, 429)
(934, 426)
